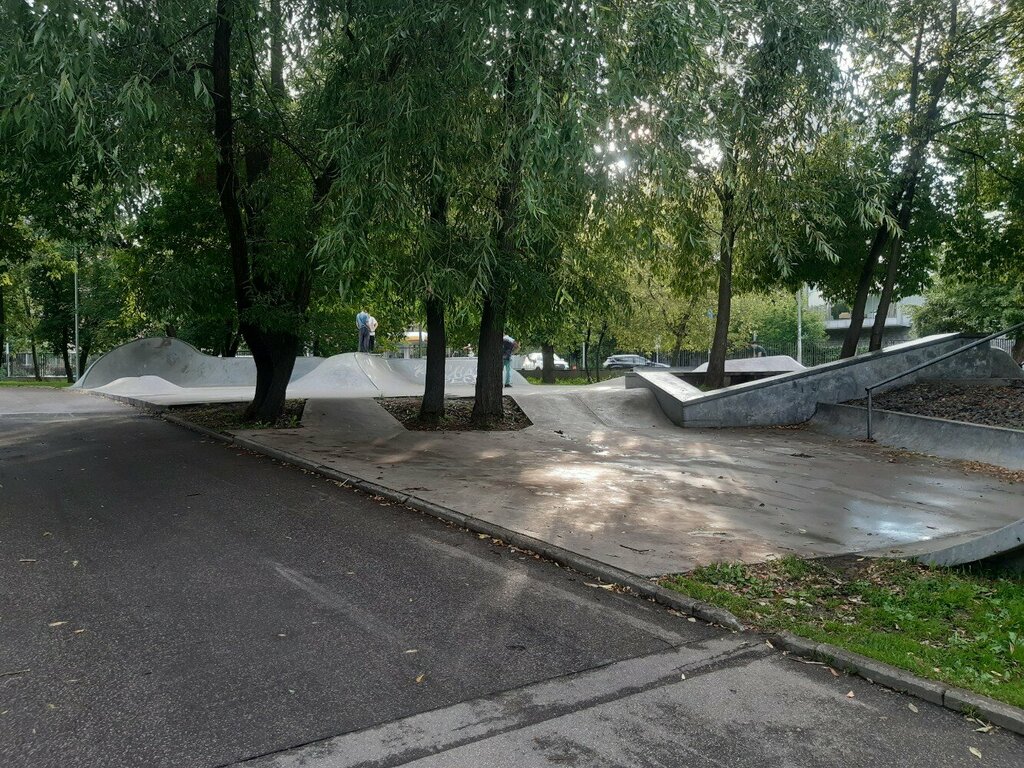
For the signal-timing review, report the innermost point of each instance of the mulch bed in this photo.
(991, 406)
(227, 417)
(458, 411)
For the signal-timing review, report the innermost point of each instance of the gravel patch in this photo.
(991, 406)
(227, 417)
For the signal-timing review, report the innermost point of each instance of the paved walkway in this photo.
(602, 473)
(170, 602)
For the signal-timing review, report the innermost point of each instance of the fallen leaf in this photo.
(600, 586)
(911, 707)
(421, 677)
(26, 560)
(56, 623)
(834, 673)
(74, 563)
(691, 619)
(769, 643)
(849, 695)
(682, 676)
(413, 650)
(975, 751)
(79, 631)
(482, 536)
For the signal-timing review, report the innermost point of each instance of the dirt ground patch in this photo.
(226, 417)
(991, 406)
(458, 412)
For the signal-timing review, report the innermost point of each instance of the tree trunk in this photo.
(83, 355)
(489, 405)
(432, 406)
(715, 377)
(864, 283)
(35, 358)
(923, 125)
(588, 350)
(69, 372)
(597, 357)
(277, 353)
(3, 327)
(891, 270)
(548, 354)
(1017, 352)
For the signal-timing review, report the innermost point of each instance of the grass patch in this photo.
(963, 628)
(457, 418)
(229, 417)
(52, 383)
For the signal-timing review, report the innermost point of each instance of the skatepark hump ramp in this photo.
(165, 366)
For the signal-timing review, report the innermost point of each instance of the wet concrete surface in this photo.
(601, 474)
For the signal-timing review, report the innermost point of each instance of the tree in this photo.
(767, 91)
(929, 68)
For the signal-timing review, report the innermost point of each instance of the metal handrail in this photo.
(939, 359)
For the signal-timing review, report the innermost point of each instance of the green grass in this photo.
(963, 628)
(56, 383)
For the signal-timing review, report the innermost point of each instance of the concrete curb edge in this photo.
(985, 708)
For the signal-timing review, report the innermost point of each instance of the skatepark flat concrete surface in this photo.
(602, 472)
(651, 498)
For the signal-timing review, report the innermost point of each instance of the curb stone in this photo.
(983, 707)
(641, 586)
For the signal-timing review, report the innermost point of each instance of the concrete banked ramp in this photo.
(792, 398)
(164, 367)
(1002, 549)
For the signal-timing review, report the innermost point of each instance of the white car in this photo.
(535, 362)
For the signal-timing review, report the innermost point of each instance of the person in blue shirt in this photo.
(363, 326)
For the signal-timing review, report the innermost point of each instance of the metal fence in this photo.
(19, 366)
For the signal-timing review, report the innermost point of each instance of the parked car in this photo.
(632, 361)
(535, 362)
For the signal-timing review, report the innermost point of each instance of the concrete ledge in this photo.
(985, 708)
(792, 398)
(925, 434)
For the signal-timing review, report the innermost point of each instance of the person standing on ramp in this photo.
(509, 347)
(363, 326)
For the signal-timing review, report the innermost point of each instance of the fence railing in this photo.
(20, 366)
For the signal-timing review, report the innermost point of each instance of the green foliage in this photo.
(963, 628)
(957, 304)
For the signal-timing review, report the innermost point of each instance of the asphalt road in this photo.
(169, 601)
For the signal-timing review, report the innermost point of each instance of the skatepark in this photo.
(607, 471)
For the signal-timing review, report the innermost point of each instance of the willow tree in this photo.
(929, 69)
(771, 83)
(115, 76)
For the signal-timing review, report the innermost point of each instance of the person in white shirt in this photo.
(371, 325)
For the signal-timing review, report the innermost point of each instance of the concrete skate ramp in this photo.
(176, 362)
(169, 370)
(1002, 549)
(769, 364)
(792, 398)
